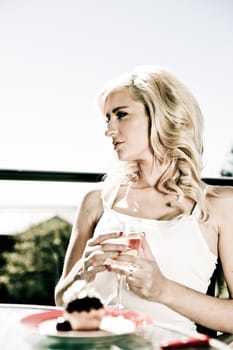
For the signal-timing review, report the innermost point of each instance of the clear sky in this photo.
(55, 55)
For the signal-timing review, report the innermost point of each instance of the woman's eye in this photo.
(121, 115)
(107, 119)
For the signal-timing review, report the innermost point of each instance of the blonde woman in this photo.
(156, 128)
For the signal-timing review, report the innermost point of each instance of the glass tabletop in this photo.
(14, 335)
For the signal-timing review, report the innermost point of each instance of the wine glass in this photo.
(132, 238)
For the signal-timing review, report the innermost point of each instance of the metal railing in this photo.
(39, 175)
(66, 176)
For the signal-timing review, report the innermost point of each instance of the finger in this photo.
(130, 271)
(117, 267)
(104, 247)
(91, 250)
(134, 281)
(125, 257)
(137, 289)
(98, 258)
(102, 237)
(114, 247)
(96, 269)
(91, 272)
(146, 249)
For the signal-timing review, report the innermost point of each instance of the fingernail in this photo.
(106, 266)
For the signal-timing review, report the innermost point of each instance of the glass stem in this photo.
(120, 279)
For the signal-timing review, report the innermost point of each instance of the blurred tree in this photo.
(7, 243)
(33, 267)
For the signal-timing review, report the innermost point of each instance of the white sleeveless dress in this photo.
(180, 250)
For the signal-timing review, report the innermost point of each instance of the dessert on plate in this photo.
(83, 309)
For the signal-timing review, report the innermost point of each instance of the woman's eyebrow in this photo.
(117, 108)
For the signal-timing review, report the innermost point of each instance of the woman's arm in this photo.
(85, 256)
(224, 214)
(83, 227)
(211, 312)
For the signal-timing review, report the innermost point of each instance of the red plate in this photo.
(119, 323)
(35, 319)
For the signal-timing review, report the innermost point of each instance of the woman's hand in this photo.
(99, 250)
(142, 273)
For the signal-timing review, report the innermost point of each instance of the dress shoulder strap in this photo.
(196, 212)
(109, 194)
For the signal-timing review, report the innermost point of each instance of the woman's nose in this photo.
(111, 130)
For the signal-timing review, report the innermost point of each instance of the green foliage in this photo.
(34, 264)
(221, 285)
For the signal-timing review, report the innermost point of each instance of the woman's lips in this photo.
(117, 144)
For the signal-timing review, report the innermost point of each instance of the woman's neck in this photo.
(150, 172)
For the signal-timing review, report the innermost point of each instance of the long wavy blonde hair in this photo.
(176, 132)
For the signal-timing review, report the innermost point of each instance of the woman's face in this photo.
(127, 125)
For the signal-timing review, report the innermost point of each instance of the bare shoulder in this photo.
(220, 201)
(91, 205)
(220, 194)
(92, 195)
